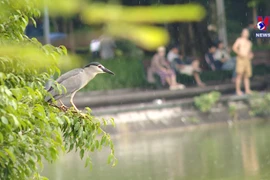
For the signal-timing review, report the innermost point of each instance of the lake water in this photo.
(239, 152)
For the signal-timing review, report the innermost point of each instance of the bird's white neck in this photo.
(90, 73)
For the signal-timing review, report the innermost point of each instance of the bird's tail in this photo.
(48, 84)
(48, 87)
(48, 99)
(54, 92)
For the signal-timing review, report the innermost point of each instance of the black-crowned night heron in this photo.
(75, 80)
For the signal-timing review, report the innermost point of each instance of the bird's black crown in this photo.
(92, 64)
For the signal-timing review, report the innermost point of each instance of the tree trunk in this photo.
(213, 12)
(191, 39)
(221, 22)
(182, 38)
(202, 40)
(46, 29)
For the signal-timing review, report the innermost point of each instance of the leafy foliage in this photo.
(128, 49)
(260, 105)
(232, 110)
(30, 128)
(206, 101)
(254, 3)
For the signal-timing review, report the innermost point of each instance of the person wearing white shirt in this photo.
(222, 55)
(190, 69)
(94, 48)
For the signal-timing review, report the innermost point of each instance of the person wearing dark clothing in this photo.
(213, 64)
(222, 54)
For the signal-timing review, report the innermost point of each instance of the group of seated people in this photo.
(218, 58)
(166, 68)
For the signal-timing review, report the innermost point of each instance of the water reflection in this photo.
(236, 153)
(249, 153)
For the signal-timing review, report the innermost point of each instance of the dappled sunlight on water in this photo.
(223, 153)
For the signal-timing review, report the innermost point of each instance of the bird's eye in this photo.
(99, 66)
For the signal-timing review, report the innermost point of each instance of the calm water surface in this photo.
(239, 152)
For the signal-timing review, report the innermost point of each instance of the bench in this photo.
(261, 57)
(185, 79)
(206, 75)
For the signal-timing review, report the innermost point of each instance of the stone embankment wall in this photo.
(181, 116)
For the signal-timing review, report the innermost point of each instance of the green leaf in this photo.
(99, 130)
(44, 178)
(11, 155)
(67, 120)
(1, 138)
(92, 149)
(82, 153)
(115, 162)
(2, 76)
(87, 161)
(103, 140)
(112, 121)
(15, 120)
(60, 120)
(71, 147)
(88, 109)
(77, 126)
(4, 120)
(17, 93)
(80, 132)
(33, 21)
(64, 49)
(110, 158)
(97, 13)
(97, 144)
(104, 122)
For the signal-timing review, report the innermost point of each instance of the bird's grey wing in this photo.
(69, 74)
(70, 80)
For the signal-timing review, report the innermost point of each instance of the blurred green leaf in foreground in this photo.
(131, 22)
(124, 21)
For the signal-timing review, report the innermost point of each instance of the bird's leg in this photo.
(71, 101)
(74, 106)
(51, 104)
(63, 107)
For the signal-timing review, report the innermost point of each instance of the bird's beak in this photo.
(107, 71)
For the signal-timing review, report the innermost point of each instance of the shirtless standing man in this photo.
(242, 47)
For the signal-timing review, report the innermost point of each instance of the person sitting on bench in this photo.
(221, 54)
(189, 66)
(213, 64)
(160, 66)
(220, 59)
